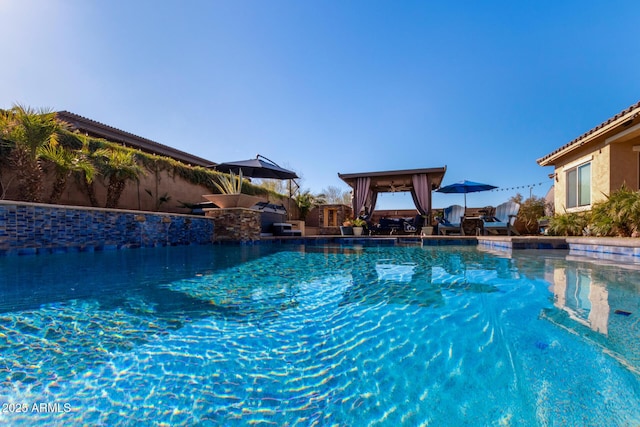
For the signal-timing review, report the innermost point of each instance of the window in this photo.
(579, 186)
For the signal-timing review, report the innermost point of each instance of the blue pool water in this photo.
(318, 335)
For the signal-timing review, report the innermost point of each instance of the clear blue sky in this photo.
(323, 87)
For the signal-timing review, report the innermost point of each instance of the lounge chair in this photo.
(504, 219)
(452, 220)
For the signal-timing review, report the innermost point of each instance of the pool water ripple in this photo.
(320, 337)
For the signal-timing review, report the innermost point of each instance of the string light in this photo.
(518, 187)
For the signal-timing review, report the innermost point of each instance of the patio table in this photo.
(473, 225)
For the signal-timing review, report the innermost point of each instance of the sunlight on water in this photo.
(318, 336)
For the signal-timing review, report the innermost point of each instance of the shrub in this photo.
(619, 215)
(531, 210)
(568, 224)
(359, 222)
(306, 201)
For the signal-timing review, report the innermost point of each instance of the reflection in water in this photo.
(477, 280)
(387, 270)
(584, 299)
(603, 299)
(399, 281)
(418, 276)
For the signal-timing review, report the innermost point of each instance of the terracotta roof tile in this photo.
(117, 135)
(592, 131)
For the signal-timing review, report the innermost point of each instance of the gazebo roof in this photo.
(398, 180)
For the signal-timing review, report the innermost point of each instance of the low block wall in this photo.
(32, 228)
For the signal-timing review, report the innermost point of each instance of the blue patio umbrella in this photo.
(465, 187)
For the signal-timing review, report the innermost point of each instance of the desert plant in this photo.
(66, 162)
(229, 184)
(306, 201)
(85, 181)
(27, 131)
(568, 224)
(118, 166)
(602, 224)
(159, 201)
(619, 215)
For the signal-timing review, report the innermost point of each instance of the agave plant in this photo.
(159, 200)
(229, 184)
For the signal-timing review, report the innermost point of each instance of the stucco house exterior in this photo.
(597, 163)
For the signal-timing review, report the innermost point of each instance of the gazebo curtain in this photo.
(365, 197)
(371, 202)
(360, 194)
(421, 193)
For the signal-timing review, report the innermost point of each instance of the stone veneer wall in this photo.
(235, 224)
(32, 228)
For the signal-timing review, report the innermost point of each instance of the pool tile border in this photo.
(605, 248)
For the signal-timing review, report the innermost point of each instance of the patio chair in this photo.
(503, 220)
(452, 220)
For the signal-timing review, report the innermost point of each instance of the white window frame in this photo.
(576, 168)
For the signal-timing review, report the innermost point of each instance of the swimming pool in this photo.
(318, 335)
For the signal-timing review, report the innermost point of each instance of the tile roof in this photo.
(581, 139)
(110, 133)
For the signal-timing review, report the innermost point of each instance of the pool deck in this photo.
(610, 248)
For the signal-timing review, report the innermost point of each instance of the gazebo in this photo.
(367, 185)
